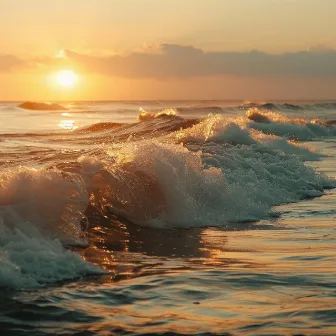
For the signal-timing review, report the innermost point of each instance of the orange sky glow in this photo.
(148, 49)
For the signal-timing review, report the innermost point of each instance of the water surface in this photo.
(187, 224)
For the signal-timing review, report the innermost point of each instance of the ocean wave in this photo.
(41, 106)
(204, 181)
(161, 172)
(40, 212)
(30, 260)
(286, 107)
(99, 127)
(200, 109)
(212, 173)
(167, 185)
(292, 128)
(235, 131)
(166, 113)
(113, 133)
(323, 106)
(53, 199)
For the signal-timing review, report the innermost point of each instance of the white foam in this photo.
(217, 128)
(28, 259)
(222, 130)
(291, 128)
(232, 174)
(155, 184)
(215, 172)
(40, 211)
(53, 199)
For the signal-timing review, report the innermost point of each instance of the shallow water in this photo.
(269, 275)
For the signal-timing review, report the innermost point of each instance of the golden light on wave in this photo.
(66, 78)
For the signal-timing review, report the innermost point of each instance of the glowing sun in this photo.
(66, 78)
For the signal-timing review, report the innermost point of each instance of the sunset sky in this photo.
(168, 49)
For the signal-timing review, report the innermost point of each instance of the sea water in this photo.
(168, 217)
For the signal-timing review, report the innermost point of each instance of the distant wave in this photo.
(289, 107)
(166, 113)
(41, 106)
(99, 127)
(292, 128)
(202, 109)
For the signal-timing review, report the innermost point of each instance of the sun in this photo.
(66, 78)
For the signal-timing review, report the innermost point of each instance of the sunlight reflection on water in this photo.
(67, 124)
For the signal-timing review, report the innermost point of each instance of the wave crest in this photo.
(167, 113)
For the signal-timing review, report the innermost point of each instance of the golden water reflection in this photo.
(257, 281)
(67, 124)
(127, 249)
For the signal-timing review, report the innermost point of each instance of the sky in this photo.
(168, 49)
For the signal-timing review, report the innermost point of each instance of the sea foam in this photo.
(291, 128)
(217, 171)
(40, 212)
(53, 199)
(28, 259)
(225, 175)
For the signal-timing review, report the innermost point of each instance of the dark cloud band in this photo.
(177, 61)
(185, 61)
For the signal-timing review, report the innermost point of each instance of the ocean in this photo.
(168, 218)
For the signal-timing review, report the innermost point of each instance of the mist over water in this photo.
(152, 217)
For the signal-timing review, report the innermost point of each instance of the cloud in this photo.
(10, 62)
(178, 61)
(186, 61)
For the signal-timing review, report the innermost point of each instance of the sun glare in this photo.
(66, 78)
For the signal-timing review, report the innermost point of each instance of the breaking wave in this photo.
(162, 172)
(292, 128)
(29, 259)
(40, 212)
(167, 113)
